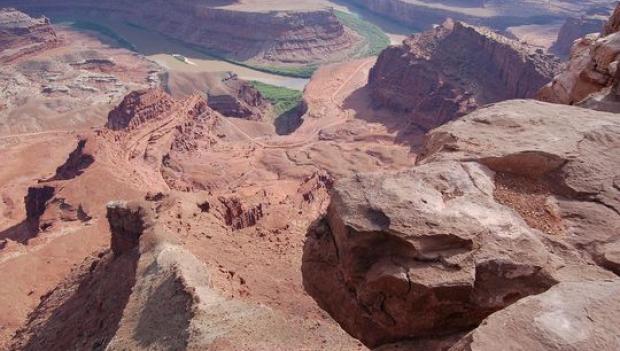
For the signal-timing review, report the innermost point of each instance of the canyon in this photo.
(459, 191)
(287, 39)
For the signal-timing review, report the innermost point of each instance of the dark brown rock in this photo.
(237, 215)
(127, 223)
(433, 251)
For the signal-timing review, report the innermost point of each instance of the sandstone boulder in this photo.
(574, 316)
(504, 203)
(591, 76)
(423, 252)
(573, 149)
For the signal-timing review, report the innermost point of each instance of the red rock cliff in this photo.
(451, 70)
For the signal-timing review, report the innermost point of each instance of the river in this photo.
(161, 49)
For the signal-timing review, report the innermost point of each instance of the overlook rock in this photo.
(282, 37)
(554, 320)
(504, 203)
(451, 70)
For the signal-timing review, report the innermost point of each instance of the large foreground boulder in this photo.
(570, 317)
(505, 203)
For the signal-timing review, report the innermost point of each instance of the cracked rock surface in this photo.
(431, 252)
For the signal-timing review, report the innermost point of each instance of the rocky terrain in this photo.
(590, 78)
(226, 93)
(162, 211)
(21, 35)
(513, 200)
(231, 192)
(279, 37)
(453, 69)
(576, 28)
(69, 81)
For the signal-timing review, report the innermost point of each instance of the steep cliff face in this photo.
(591, 76)
(449, 71)
(504, 203)
(21, 34)
(497, 14)
(573, 29)
(273, 37)
(139, 107)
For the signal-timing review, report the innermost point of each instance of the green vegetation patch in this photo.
(376, 39)
(287, 105)
(283, 99)
(103, 30)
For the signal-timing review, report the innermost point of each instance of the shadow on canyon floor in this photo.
(395, 123)
(90, 316)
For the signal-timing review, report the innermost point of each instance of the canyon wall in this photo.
(21, 35)
(451, 70)
(573, 29)
(274, 37)
(496, 14)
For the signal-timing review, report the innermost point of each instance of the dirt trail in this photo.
(311, 137)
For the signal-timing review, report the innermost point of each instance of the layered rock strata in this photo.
(449, 71)
(275, 37)
(21, 35)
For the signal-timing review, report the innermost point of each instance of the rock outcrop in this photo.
(451, 70)
(572, 316)
(573, 29)
(139, 107)
(78, 160)
(237, 215)
(150, 293)
(504, 203)
(21, 35)
(238, 99)
(591, 76)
